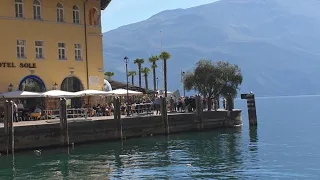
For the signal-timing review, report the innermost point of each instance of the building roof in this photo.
(104, 4)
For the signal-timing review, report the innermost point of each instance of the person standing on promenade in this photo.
(15, 112)
(204, 103)
(171, 104)
(224, 103)
(157, 105)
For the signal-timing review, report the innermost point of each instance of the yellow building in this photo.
(47, 44)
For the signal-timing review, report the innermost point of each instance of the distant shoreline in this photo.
(289, 96)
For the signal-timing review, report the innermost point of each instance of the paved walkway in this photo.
(56, 121)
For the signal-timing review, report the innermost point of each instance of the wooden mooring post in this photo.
(252, 112)
(117, 115)
(164, 114)
(8, 126)
(64, 134)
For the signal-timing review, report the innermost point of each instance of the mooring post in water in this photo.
(252, 112)
(64, 135)
(117, 115)
(8, 126)
(199, 111)
(164, 114)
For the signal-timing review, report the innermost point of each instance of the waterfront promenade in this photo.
(49, 133)
(99, 118)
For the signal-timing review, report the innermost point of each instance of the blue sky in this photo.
(123, 12)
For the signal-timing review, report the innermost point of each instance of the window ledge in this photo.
(21, 58)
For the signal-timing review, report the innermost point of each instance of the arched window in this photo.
(76, 14)
(19, 8)
(94, 17)
(36, 10)
(60, 13)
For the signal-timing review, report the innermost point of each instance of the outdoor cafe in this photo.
(82, 104)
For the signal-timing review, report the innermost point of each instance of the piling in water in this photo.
(8, 126)
(251, 105)
(64, 135)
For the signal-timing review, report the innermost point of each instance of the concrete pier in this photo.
(47, 133)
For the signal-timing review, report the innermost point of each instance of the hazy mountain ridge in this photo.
(273, 41)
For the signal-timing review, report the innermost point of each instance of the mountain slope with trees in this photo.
(275, 42)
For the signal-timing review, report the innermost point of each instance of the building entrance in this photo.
(32, 83)
(73, 84)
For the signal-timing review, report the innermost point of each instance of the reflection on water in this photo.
(210, 154)
(284, 146)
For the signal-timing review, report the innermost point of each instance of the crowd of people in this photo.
(138, 105)
(187, 104)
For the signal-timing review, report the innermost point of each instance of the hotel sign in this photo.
(20, 65)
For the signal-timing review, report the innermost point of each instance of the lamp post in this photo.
(10, 87)
(182, 78)
(157, 83)
(126, 59)
(55, 86)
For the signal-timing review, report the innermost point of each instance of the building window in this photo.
(19, 8)
(77, 52)
(39, 49)
(62, 51)
(36, 10)
(76, 15)
(94, 17)
(21, 49)
(60, 13)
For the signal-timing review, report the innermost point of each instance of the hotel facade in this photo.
(51, 44)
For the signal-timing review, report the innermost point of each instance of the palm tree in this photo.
(139, 62)
(109, 74)
(153, 60)
(165, 56)
(145, 72)
(132, 74)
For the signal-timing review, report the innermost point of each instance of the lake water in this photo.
(284, 146)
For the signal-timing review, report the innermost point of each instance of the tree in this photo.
(233, 77)
(139, 62)
(165, 56)
(153, 60)
(211, 80)
(132, 74)
(109, 74)
(145, 72)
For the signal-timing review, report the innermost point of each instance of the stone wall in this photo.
(48, 135)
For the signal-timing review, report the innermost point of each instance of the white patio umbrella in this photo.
(161, 92)
(93, 93)
(123, 92)
(21, 94)
(59, 94)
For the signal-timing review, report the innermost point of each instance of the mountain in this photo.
(275, 42)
